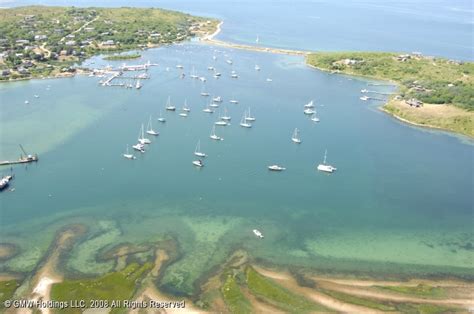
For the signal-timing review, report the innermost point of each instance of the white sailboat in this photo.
(138, 85)
(243, 122)
(249, 117)
(220, 121)
(324, 166)
(198, 163)
(179, 66)
(269, 80)
(315, 118)
(149, 129)
(214, 136)
(203, 92)
(193, 74)
(197, 151)
(141, 137)
(310, 104)
(217, 99)
(226, 117)
(295, 137)
(127, 155)
(208, 109)
(257, 68)
(161, 119)
(169, 106)
(229, 61)
(309, 111)
(185, 106)
(140, 147)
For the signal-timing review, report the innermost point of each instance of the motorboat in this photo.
(276, 168)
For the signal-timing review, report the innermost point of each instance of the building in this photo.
(412, 102)
(41, 37)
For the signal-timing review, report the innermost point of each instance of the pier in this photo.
(21, 160)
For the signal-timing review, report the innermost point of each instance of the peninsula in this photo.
(432, 92)
(43, 41)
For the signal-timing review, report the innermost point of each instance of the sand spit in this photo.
(48, 274)
(286, 280)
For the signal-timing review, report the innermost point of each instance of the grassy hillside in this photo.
(433, 81)
(33, 39)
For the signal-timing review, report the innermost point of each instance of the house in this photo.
(350, 61)
(22, 41)
(412, 102)
(41, 37)
(403, 57)
(109, 42)
(5, 73)
(70, 43)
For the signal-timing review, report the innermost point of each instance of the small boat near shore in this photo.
(257, 233)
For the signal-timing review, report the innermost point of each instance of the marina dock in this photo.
(21, 160)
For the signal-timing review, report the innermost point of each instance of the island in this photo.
(43, 41)
(432, 92)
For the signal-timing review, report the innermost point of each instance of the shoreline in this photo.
(210, 40)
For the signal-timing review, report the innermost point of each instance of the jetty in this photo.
(22, 160)
(212, 41)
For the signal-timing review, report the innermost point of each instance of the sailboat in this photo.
(203, 92)
(220, 121)
(127, 155)
(257, 68)
(295, 137)
(269, 80)
(309, 111)
(169, 106)
(226, 117)
(193, 74)
(233, 100)
(214, 136)
(149, 129)
(257, 41)
(309, 105)
(208, 109)
(243, 122)
(249, 117)
(161, 119)
(325, 167)
(140, 147)
(138, 85)
(217, 99)
(314, 118)
(198, 163)
(197, 151)
(234, 75)
(185, 106)
(141, 137)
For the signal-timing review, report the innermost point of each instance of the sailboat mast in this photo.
(325, 154)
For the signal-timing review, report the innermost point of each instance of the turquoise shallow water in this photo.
(401, 200)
